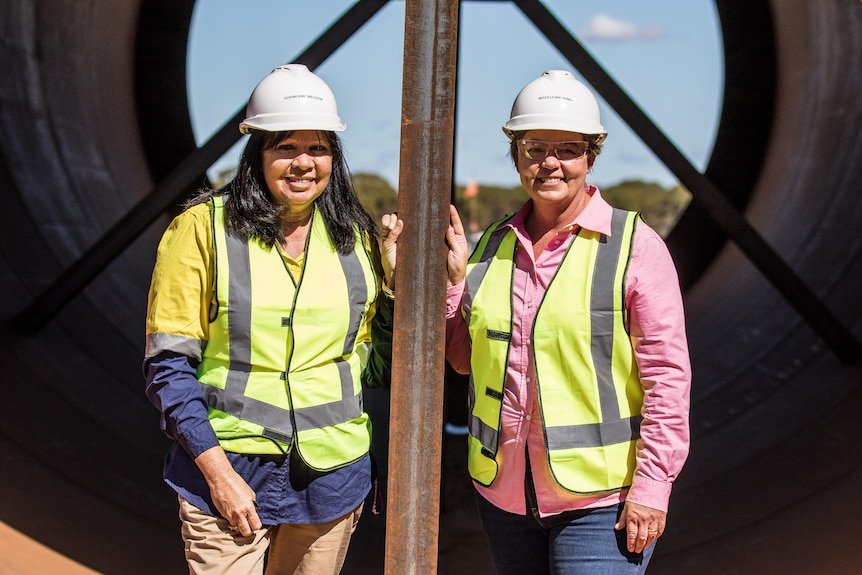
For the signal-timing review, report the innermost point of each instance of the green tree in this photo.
(661, 208)
(376, 195)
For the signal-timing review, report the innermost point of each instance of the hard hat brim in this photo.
(292, 122)
(552, 122)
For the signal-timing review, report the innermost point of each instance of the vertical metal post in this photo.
(418, 358)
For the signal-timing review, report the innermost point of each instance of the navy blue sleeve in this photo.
(172, 386)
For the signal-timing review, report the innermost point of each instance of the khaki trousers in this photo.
(212, 548)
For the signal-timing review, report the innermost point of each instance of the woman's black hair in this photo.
(251, 213)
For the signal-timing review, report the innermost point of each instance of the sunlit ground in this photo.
(20, 555)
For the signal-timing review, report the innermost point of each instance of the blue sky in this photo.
(665, 54)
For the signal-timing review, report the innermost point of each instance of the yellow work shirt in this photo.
(181, 293)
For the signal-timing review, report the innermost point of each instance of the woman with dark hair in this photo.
(250, 210)
(269, 312)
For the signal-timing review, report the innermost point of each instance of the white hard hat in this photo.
(291, 98)
(556, 101)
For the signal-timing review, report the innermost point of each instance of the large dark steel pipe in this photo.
(783, 278)
(416, 420)
(170, 191)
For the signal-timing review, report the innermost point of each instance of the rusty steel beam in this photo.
(172, 188)
(734, 225)
(418, 359)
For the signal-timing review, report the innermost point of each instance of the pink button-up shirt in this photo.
(657, 328)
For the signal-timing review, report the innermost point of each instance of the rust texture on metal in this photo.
(427, 128)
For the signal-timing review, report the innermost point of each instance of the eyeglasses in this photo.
(563, 151)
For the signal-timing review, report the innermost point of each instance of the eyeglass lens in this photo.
(564, 151)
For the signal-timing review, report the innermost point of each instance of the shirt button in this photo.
(528, 380)
(529, 417)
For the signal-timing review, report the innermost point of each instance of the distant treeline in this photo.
(661, 207)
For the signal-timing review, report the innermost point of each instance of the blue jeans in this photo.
(572, 543)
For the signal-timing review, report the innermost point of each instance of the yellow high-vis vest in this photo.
(281, 367)
(589, 390)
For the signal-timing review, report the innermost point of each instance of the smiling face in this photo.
(549, 181)
(297, 169)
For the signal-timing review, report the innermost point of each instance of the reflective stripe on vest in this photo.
(264, 398)
(485, 423)
(585, 373)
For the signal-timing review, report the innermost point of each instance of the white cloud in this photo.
(603, 27)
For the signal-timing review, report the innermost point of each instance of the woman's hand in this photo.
(643, 525)
(391, 229)
(459, 251)
(232, 496)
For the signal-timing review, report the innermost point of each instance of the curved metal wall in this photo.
(771, 482)
(770, 479)
(81, 462)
